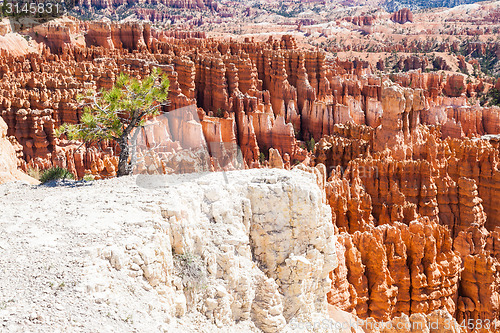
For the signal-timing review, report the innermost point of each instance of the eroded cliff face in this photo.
(265, 264)
(402, 16)
(247, 255)
(408, 267)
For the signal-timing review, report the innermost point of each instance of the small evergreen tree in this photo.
(494, 96)
(113, 114)
(262, 158)
(55, 173)
(310, 145)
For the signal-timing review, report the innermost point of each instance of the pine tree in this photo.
(113, 114)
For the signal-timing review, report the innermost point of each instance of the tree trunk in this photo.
(133, 148)
(123, 167)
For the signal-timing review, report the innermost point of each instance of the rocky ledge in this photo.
(193, 253)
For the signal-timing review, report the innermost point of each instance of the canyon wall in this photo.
(102, 4)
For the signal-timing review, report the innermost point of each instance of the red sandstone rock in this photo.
(402, 16)
(455, 85)
(304, 88)
(404, 266)
(480, 280)
(8, 160)
(455, 204)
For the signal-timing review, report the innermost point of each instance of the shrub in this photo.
(190, 269)
(494, 96)
(310, 145)
(55, 173)
(115, 113)
(219, 113)
(88, 177)
(34, 173)
(262, 158)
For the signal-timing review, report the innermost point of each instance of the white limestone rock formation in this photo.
(183, 253)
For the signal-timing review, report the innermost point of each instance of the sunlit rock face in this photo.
(9, 161)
